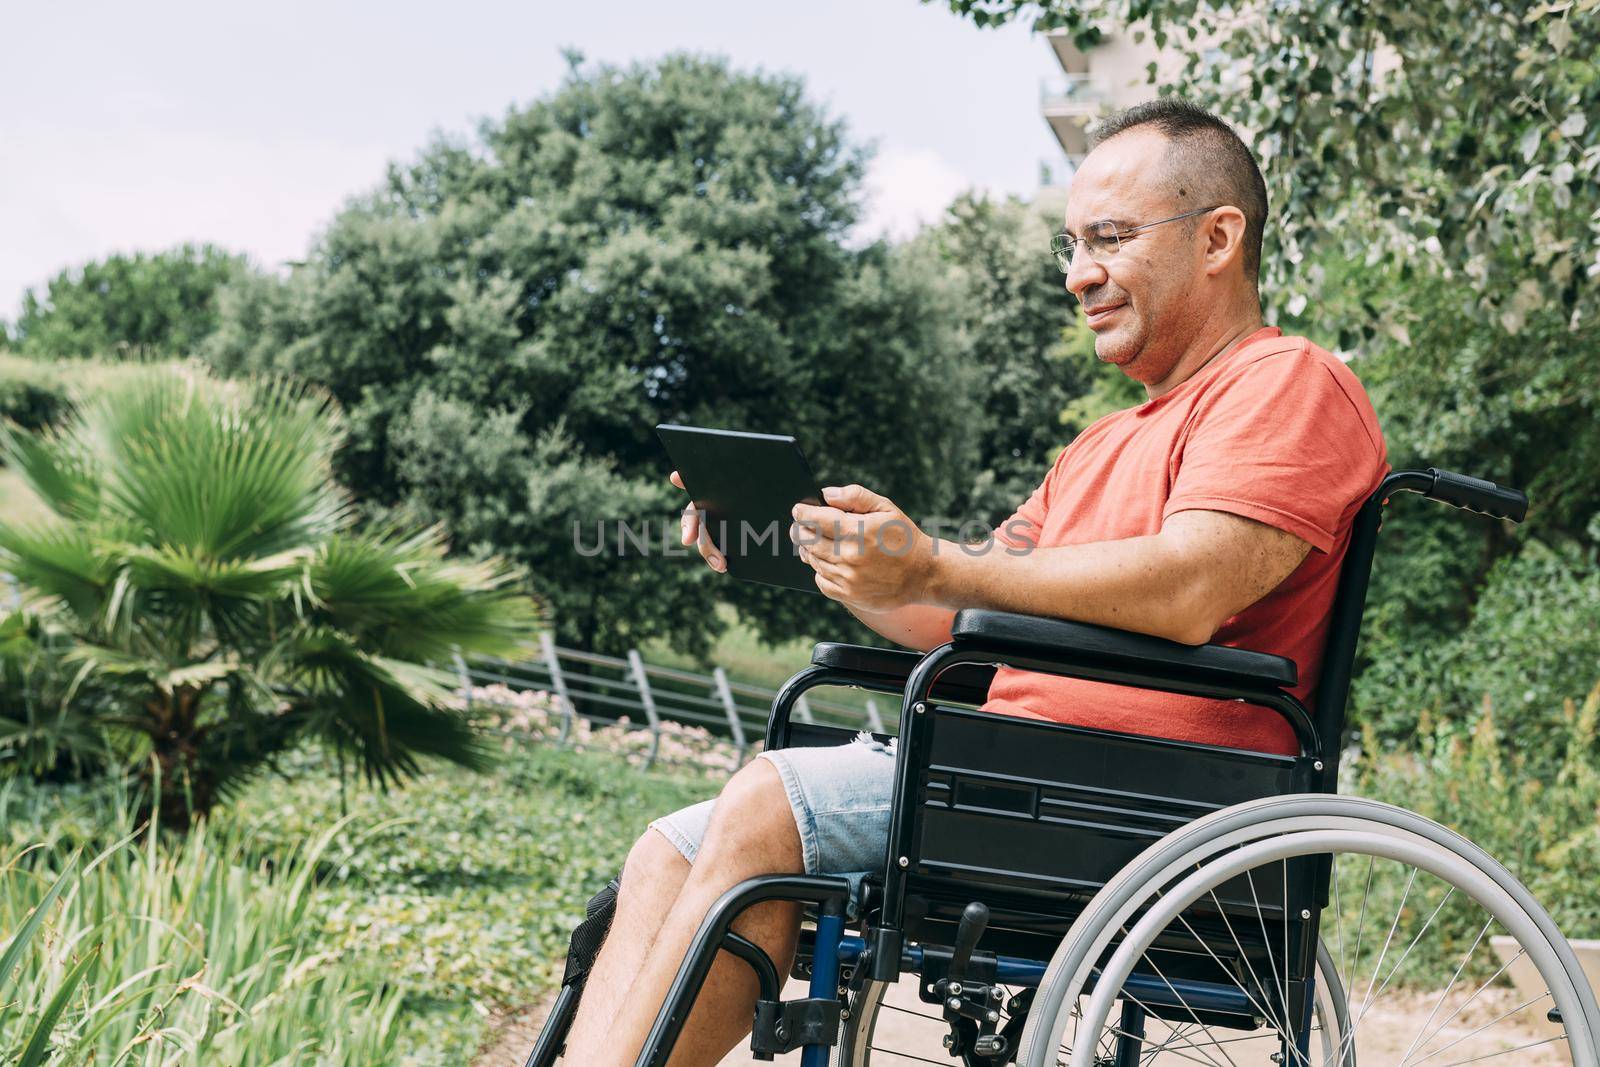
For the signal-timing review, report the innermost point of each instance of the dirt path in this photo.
(1382, 1042)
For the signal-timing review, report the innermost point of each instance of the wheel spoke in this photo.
(1338, 911)
(1372, 983)
(1442, 996)
(1265, 1014)
(1186, 1008)
(1503, 1052)
(1485, 1026)
(1361, 922)
(1288, 1022)
(1492, 978)
(1266, 939)
(910, 1056)
(908, 1011)
(1401, 963)
(1118, 1032)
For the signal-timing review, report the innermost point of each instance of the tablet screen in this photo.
(747, 485)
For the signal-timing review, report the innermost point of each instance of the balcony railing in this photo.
(1070, 90)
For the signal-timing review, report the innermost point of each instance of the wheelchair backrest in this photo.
(1344, 624)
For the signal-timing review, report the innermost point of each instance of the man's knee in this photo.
(753, 818)
(651, 857)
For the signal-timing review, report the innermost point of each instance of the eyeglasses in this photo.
(1103, 240)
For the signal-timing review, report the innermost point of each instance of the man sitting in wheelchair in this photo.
(1217, 511)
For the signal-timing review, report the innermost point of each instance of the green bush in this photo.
(141, 306)
(37, 394)
(31, 405)
(1530, 644)
(33, 394)
(1540, 822)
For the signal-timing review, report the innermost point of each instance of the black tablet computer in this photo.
(747, 484)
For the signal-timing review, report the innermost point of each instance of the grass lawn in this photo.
(464, 887)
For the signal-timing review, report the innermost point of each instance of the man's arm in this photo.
(1182, 583)
(918, 626)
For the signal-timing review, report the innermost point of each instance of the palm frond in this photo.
(64, 561)
(56, 467)
(407, 600)
(226, 469)
(226, 598)
(386, 713)
(163, 675)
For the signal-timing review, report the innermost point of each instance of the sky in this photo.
(140, 126)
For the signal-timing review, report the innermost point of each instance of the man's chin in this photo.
(1111, 347)
(1122, 348)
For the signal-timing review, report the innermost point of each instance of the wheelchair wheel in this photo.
(1412, 911)
(889, 1026)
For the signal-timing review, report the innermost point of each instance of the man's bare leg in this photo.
(651, 878)
(752, 832)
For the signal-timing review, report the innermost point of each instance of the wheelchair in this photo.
(1076, 896)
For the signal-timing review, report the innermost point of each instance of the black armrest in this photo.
(967, 683)
(1073, 643)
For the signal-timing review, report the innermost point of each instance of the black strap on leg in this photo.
(582, 949)
(590, 934)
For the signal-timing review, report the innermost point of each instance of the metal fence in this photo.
(604, 689)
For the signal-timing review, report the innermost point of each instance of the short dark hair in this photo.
(1207, 160)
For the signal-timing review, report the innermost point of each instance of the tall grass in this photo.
(121, 947)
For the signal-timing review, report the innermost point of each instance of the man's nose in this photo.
(1084, 271)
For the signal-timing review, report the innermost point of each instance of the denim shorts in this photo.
(839, 796)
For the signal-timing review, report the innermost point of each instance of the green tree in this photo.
(1465, 136)
(139, 306)
(1013, 315)
(220, 600)
(506, 319)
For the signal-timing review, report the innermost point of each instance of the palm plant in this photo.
(221, 601)
(41, 733)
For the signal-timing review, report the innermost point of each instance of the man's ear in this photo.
(1224, 234)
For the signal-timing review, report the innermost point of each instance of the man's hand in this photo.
(693, 533)
(866, 553)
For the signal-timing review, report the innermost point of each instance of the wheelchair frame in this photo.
(974, 792)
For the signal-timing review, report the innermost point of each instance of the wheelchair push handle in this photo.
(1476, 494)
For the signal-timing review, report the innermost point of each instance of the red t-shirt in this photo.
(1276, 430)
